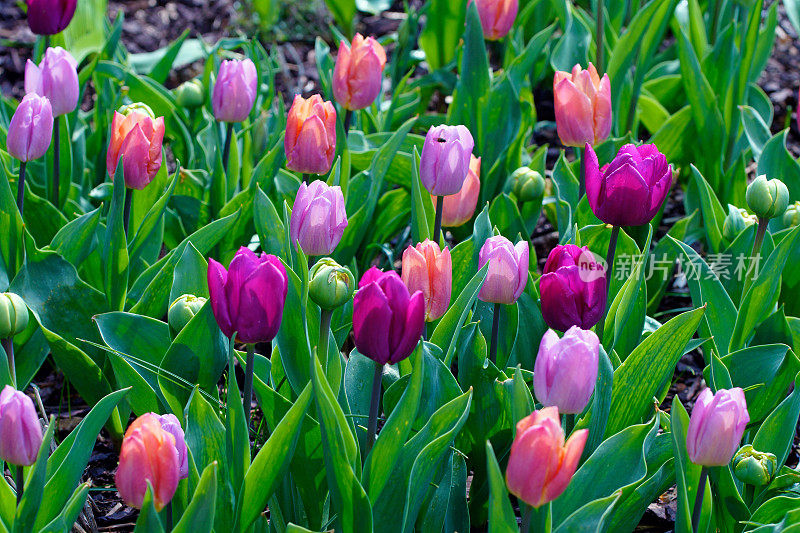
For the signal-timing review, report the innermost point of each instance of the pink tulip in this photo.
(318, 218)
(428, 269)
(136, 138)
(540, 465)
(310, 141)
(497, 17)
(716, 426)
(508, 270)
(583, 106)
(20, 431)
(357, 75)
(565, 372)
(458, 208)
(56, 77)
(31, 128)
(235, 90)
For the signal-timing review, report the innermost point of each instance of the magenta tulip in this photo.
(318, 218)
(20, 431)
(565, 372)
(31, 128)
(508, 270)
(572, 288)
(48, 17)
(56, 77)
(235, 90)
(716, 426)
(445, 158)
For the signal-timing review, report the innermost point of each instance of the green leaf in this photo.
(776, 433)
(237, 434)
(148, 521)
(344, 12)
(501, 514)
(422, 210)
(199, 515)
(115, 247)
(474, 79)
(686, 472)
(711, 209)
(28, 508)
(442, 32)
(601, 404)
(152, 218)
(73, 508)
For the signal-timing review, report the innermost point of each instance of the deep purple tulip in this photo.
(508, 270)
(48, 17)
(235, 90)
(566, 369)
(31, 128)
(630, 190)
(318, 218)
(716, 426)
(387, 320)
(172, 425)
(248, 298)
(572, 288)
(56, 77)
(444, 162)
(20, 432)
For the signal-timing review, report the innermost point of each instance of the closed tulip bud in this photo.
(48, 17)
(172, 425)
(148, 453)
(318, 218)
(357, 75)
(330, 284)
(248, 298)
(458, 208)
(31, 128)
(541, 464)
(20, 431)
(566, 369)
(716, 426)
(136, 138)
(736, 222)
(582, 106)
(528, 185)
(235, 90)
(310, 141)
(767, 198)
(56, 77)
(190, 94)
(497, 17)
(13, 315)
(183, 309)
(792, 215)
(387, 320)
(508, 270)
(629, 191)
(754, 467)
(428, 269)
(572, 288)
(445, 159)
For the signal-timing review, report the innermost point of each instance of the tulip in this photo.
(767, 198)
(13, 315)
(318, 218)
(48, 17)
(20, 431)
(541, 465)
(310, 140)
(428, 269)
(629, 191)
(572, 288)
(136, 138)
(56, 77)
(357, 75)
(582, 106)
(736, 222)
(190, 94)
(754, 467)
(330, 284)
(183, 310)
(792, 215)
(445, 159)
(149, 453)
(31, 128)
(716, 426)
(527, 185)
(235, 90)
(248, 298)
(508, 270)
(497, 17)
(458, 208)
(566, 369)
(172, 425)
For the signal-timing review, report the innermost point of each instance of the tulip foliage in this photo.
(459, 283)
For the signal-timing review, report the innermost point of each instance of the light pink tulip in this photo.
(497, 17)
(31, 128)
(458, 208)
(56, 77)
(357, 75)
(716, 426)
(318, 218)
(508, 270)
(583, 106)
(428, 269)
(566, 369)
(235, 90)
(310, 141)
(20, 431)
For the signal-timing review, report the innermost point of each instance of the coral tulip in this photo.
(136, 138)
(56, 77)
(565, 372)
(48, 17)
(20, 431)
(357, 75)
(508, 270)
(428, 269)
(497, 17)
(716, 426)
(445, 159)
(235, 90)
(310, 141)
(572, 288)
(31, 128)
(318, 218)
(582, 106)
(458, 208)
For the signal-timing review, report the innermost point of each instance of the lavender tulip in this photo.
(20, 431)
(172, 425)
(31, 128)
(508, 270)
(318, 218)
(248, 298)
(572, 288)
(716, 426)
(235, 90)
(566, 369)
(444, 162)
(48, 17)
(630, 190)
(56, 77)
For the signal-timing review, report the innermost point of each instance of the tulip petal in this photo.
(371, 321)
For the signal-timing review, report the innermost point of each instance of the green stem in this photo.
(19, 481)
(437, 225)
(698, 501)
(248, 381)
(761, 230)
(599, 38)
(372, 424)
(324, 333)
(582, 177)
(749, 493)
(126, 210)
(169, 516)
(495, 331)
(527, 511)
(56, 161)
(8, 346)
(306, 177)
(348, 119)
(569, 423)
(612, 247)
(226, 151)
(21, 187)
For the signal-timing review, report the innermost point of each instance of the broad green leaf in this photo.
(501, 515)
(199, 515)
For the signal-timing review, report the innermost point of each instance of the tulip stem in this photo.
(226, 151)
(126, 210)
(19, 481)
(527, 511)
(248, 381)
(372, 425)
(169, 516)
(348, 119)
(56, 161)
(599, 38)
(495, 331)
(761, 230)
(8, 346)
(21, 187)
(612, 247)
(582, 176)
(698, 501)
(569, 423)
(437, 225)
(324, 330)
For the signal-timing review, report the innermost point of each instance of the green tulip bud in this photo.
(13, 315)
(767, 198)
(792, 215)
(527, 184)
(754, 467)
(331, 285)
(190, 94)
(183, 310)
(137, 106)
(736, 222)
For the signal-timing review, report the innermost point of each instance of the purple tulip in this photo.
(566, 369)
(630, 190)
(508, 270)
(318, 218)
(31, 128)
(444, 162)
(20, 431)
(56, 77)
(48, 17)
(387, 320)
(172, 425)
(716, 427)
(248, 298)
(572, 288)
(235, 90)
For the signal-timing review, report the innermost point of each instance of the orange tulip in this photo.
(428, 269)
(458, 208)
(540, 465)
(583, 106)
(310, 141)
(357, 75)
